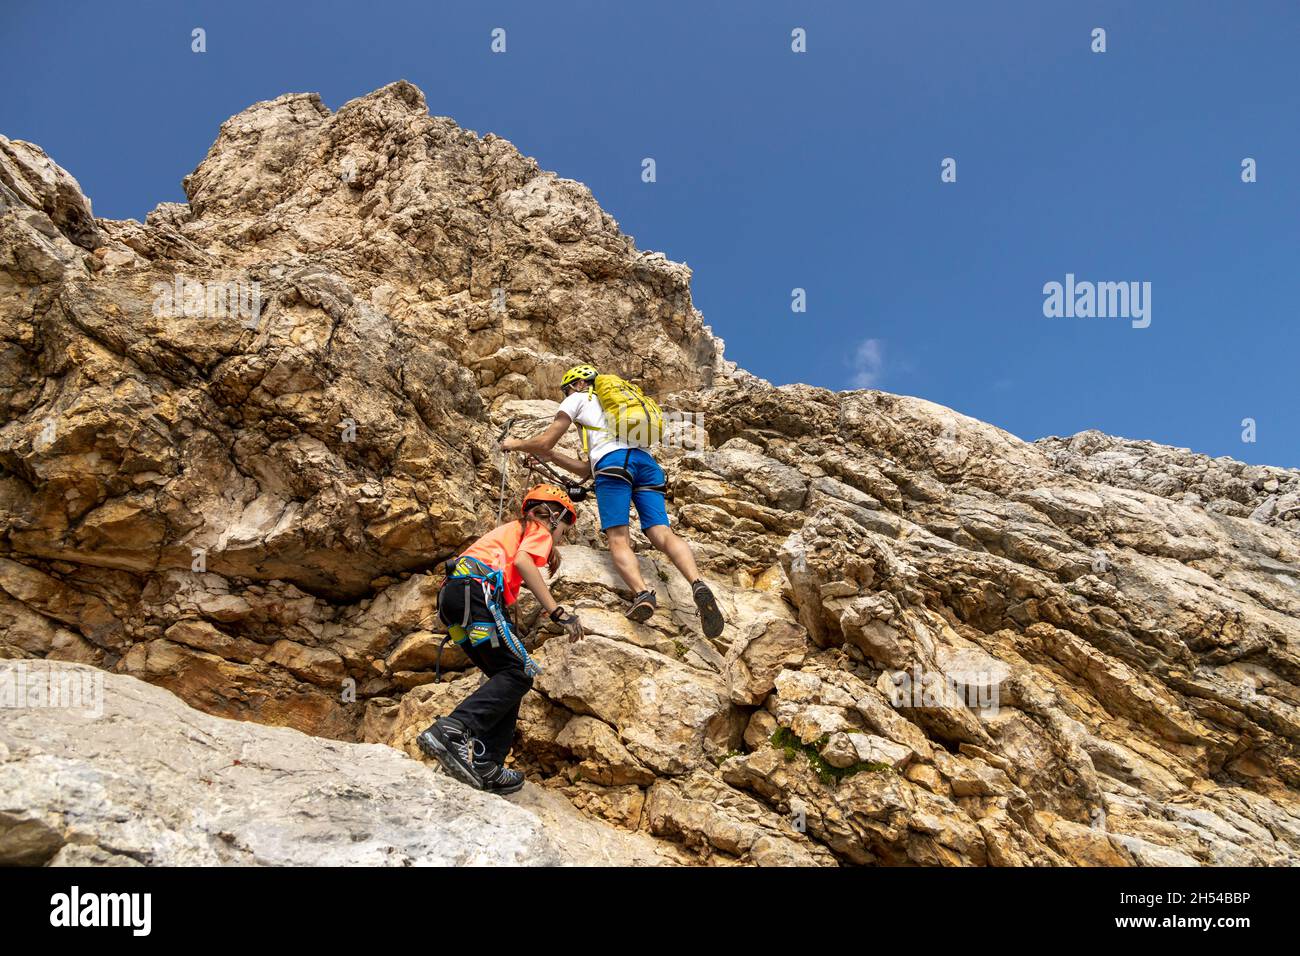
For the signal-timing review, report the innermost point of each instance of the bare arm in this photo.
(576, 465)
(532, 576)
(541, 444)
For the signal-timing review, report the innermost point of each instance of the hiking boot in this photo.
(448, 741)
(498, 778)
(710, 616)
(643, 607)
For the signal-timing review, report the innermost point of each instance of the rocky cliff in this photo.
(236, 441)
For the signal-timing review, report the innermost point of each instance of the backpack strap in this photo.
(584, 429)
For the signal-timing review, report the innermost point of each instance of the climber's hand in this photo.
(553, 562)
(571, 624)
(574, 627)
(510, 444)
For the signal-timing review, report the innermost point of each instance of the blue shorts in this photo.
(615, 494)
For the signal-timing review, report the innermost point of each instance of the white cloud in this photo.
(868, 364)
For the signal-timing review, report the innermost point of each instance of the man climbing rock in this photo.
(472, 743)
(625, 475)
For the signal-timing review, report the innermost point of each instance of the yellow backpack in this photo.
(632, 416)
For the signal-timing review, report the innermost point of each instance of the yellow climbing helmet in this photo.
(579, 373)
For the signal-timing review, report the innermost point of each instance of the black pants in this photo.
(491, 711)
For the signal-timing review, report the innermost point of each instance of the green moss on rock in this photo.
(791, 745)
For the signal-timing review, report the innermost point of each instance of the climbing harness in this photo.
(623, 473)
(474, 574)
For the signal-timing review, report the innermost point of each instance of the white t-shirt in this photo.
(585, 410)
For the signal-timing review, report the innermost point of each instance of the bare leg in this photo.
(677, 550)
(625, 563)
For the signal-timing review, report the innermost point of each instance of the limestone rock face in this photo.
(238, 440)
(1220, 485)
(153, 781)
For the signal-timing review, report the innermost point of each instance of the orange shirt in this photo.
(499, 547)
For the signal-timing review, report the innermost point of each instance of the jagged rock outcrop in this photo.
(1259, 492)
(237, 440)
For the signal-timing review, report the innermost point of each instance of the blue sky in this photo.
(819, 171)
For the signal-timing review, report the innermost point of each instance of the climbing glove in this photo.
(569, 622)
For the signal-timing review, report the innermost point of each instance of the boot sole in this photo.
(433, 747)
(710, 616)
(641, 613)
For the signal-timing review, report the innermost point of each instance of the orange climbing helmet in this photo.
(540, 493)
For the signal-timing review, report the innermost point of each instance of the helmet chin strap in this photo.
(553, 518)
